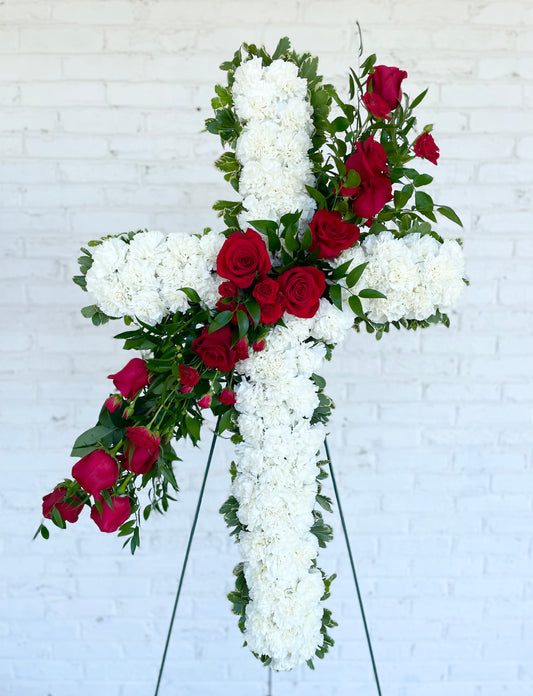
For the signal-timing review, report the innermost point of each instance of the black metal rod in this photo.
(343, 523)
(186, 558)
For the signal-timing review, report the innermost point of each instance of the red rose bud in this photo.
(377, 106)
(96, 471)
(113, 403)
(228, 289)
(258, 346)
(56, 499)
(227, 396)
(185, 390)
(241, 349)
(205, 401)
(266, 291)
(110, 519)
(215, 348)
(302, 287)
(243, 256)
(331, 234)
(132, 378)
(141, 451)
(385, 82)
(189, 376)
(426, 147)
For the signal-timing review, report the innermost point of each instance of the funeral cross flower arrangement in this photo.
(331, 230)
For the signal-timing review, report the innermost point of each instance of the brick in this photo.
(109, 12)
(62, 145)
(54, 38)
(62, 94)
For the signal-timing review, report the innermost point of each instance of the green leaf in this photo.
(353, 179)
(341, 123)
(416, 101)
(356, 306)
(220, 320)
(450, 214)
(422, 179)
(291, 241)
(227, 162)
(57, 519)
(89, 311)
(401, 197)
(243, 322)
(81, 281)
(264, 226)
(307, 239)
(317, 196)
(254, 310)
(191, 294)
(423, 202)
(374, 294)
(44, 532)
(354, 275)
(340, 271)
(335, 295)
(88, 440)
(284, 45)
(193, 428)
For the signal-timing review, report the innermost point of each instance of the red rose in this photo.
(227, 396)
(113, 403)
(386, 83)
(426, 147)
(241, 349)
(372, 196)
(369, 160)
(270, 313)
(271, 301)
(266, 291)
(228, 289)
(56, 499)
(189, 376)
(215, 348)
(132, 378)
(302, 288)
(110, 519)
(205, 401)
(331, 234)
(141, 451)
(96, 471)
(377, 106)
(226, 304)
(243, 256)
(185, 390)
(258, 346)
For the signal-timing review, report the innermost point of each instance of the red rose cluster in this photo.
(244, 261)
(98, 470)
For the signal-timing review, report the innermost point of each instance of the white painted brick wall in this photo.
(102, 106)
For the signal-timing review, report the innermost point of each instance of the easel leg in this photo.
(359, 598)
(186, 558)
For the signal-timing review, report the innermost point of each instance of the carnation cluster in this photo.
(271, 102)
(143, 275)
(333, 229)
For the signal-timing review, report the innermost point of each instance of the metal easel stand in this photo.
(188, 549)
